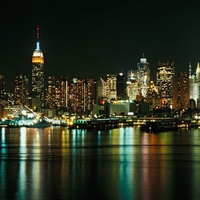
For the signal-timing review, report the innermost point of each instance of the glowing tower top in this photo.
(37, 54)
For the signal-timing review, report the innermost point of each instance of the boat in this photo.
(99, 123)
(156, 126)
(30, 123)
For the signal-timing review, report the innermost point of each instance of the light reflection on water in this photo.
(124, 163)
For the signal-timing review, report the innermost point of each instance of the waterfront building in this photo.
(119, 107)
(165, 80)
(37, 91)
(21, 90)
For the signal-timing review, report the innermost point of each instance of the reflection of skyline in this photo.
(119, 163)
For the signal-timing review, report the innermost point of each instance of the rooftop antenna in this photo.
(190, 69)
(38, 37)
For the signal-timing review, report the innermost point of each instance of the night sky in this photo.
(93, 38)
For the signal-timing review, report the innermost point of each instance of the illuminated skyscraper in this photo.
(193, 85)
(143, 74)
(37, 77)
(81, 95)
(57, 89)
(165, 81)
(2, 87)
(183, 90)
(121, 86)
(110, 87)
(198, 80)
(21, 90)
(132, 85)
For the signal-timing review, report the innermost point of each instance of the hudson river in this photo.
(125, 163)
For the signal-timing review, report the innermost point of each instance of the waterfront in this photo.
(124, 163)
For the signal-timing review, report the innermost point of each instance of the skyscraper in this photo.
(183, 90)
(165, 81)
(37, 76)
(143, 73)
(21, 89)
(193, 85)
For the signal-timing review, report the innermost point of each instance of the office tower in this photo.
(198, 80)
(63, 82)
(51, 89)
(183, 90)
(121, 86)
(143, 74)
(56, 96)
(152, 95)
(132, 85)
(37, 77)
(193, 85)
(165, 79)
(110, 87)
(2, 87)
(81, 95)
(21, 90)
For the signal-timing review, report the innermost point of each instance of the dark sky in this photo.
(93, 38)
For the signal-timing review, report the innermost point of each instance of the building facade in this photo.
(37, 91)
(165, 80)
(21, 89)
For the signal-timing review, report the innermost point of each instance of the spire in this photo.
(190, 69)
(38, 37)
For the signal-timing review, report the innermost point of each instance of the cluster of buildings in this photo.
(117, 94)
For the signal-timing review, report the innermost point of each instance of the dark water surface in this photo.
(125, 163)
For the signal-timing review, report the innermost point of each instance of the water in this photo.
(124, 163)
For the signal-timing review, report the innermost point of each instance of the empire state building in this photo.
(37, 77)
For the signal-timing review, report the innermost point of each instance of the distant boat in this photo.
(100, 124)
(17, 123)
(162, 125)
(40, 124)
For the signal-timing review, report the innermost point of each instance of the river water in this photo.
(125, 163)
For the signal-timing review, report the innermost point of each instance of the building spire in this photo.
(190, 69)
(38, 37)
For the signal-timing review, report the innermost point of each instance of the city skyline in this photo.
(91, 39)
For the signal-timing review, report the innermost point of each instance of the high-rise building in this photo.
(193, 85)
(21, 90)
(37, 77)
(132, 85)
(121, 86)
(165, 81)
(81, 95)
(183, 90)
(152, 95)
(143, 74)
(198, 80)
(2, 87)
(57, 89)
(110, 87)
(50, 95)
